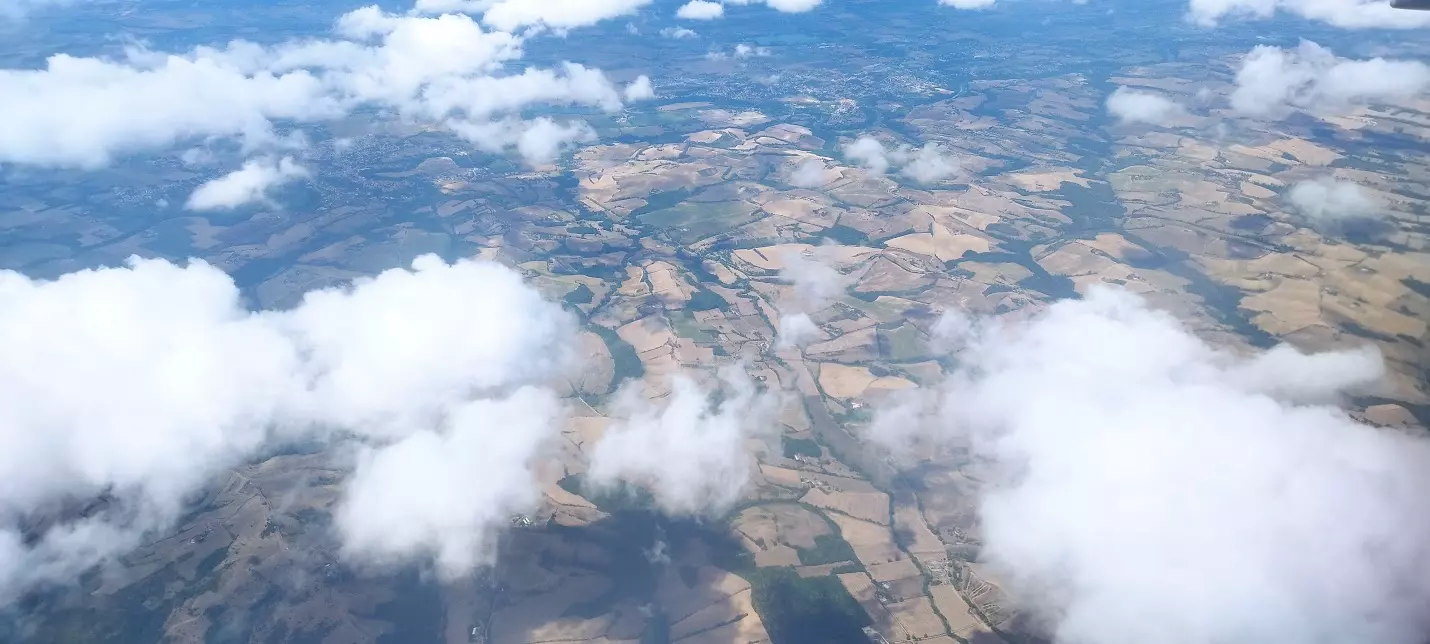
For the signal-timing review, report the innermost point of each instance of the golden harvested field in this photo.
(872, 543)
(916, 619)
(844, 381)
(941, 243)
(961, 619)
(867, 506)
(923, 543)
(894, 570)
(773, 258)
(1045, 180)
(717, 598)
(861, 588)
(765, 526)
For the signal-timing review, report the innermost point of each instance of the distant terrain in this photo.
(671, 238)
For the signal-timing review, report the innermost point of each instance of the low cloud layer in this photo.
(1138, 106)
(700, 10)
(444, 70)
(510, 15)
(786, 6)
(678, 33)
(539, 140)
(796, 330)
(967, 4)
(927, 164)
(248, 184)
(1146, 487)
(810, 173)
(1347, 14)
(740, 52)
(1328, 202)
(817, 283)
(447, 491)
(141, 382)
(687, 449)
(1273, 81)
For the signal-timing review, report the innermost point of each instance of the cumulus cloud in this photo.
(700, 10)
(1137, 106)
(741, 50)
(927, 164)
(139, 383)
(245, 185)
(809, 174)
(446, 492)
(1327, 201)
(967, 4)
(793, 6)
(796, 330)
(640, 89)
(786, 6)
(544, 139)
(538, 141)
(869, 153)
(687, 449)
(1272, 81)
(436, 7)
(678, 33)
(1348, 14)
(426, 69)
(510, 15)
(1146, 487)
(817, 283)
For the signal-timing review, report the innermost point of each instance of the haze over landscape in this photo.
(714, 321)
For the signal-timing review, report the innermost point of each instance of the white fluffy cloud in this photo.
(869, 153)
(436, 7)
(688, 449)
(432, 69)
(640, 89)
(539, 140)
(786, 6)
(700, 10)
(967, 4)
(1326, 201)
(926, 164)
(1136, 106)
(143, 381)
(1349, 14)
(810, 173)
(817, 283)
(513, 15)
(1146, 487)
(245, 185)
(678, 33)
(740, 51)
(510, 15)
(793, 6)
(743, 50)
(796, 330)
(446, 493)
(1272, 81)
